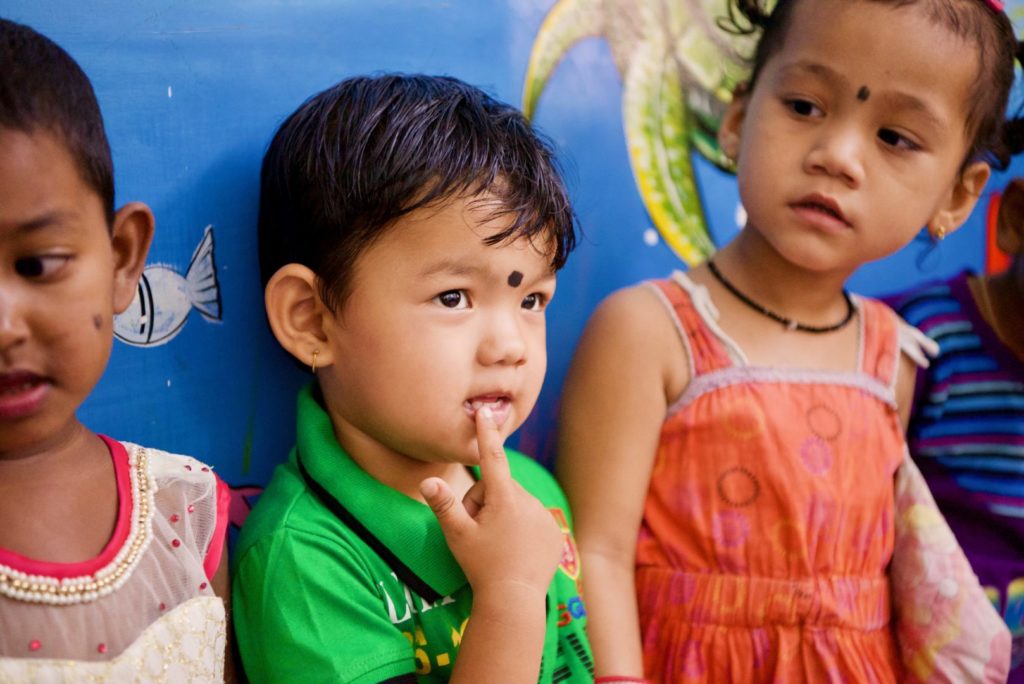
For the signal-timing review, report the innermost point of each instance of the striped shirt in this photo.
(967, 436)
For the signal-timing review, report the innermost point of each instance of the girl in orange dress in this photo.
(732, 438)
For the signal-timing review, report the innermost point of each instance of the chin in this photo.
(466, 455)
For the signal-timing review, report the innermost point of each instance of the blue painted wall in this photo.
(191, 93)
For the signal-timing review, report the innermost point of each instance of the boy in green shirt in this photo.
(410, 231)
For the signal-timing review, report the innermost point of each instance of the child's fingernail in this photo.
(428, 488)
(485, 413)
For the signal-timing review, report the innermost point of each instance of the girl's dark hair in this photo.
(43, 89)
(995, 139)
(356, 157)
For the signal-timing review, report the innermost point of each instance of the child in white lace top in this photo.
(111, 555)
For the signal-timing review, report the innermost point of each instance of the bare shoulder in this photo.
(631, 339)
(905, 379)
(916, 351)
(637, 304)
(630, 358)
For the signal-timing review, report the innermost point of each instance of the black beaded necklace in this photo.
(788, 322)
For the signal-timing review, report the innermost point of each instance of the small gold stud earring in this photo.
(940, 233)
(312, 364)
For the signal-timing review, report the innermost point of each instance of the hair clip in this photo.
(997, 5)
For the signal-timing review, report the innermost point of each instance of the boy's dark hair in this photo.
(363, 153)
(43, 89)
(994, 139)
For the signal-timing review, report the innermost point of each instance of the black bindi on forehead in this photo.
(864, 93)
(514, 278)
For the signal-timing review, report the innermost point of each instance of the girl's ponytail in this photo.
(1012, 135)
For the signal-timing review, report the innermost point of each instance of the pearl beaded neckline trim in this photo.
(86, 588)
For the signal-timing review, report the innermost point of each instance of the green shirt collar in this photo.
(406, 527)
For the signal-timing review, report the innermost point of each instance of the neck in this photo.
(72, 439)
(1012, 282)
(405, 474)
(1006, 294)
(812, 298)
(396, 470)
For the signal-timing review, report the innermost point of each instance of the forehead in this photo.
(38, 177)
(885, 46)
(458, 229)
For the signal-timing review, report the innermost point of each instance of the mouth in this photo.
(822, 205)
(500, 404)
(21, 393)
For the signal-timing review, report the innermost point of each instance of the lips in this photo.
(500, 404)
(21, 393)
(822, 205)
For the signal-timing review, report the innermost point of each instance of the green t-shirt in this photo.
(314, 600)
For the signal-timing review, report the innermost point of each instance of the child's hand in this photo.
(502, 536)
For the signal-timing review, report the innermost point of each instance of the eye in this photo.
(894, 139)
(453, 299)
(802, 107)
(535, 301)
(40, 266)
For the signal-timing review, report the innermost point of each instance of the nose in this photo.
(13, 328)
(503, 341)
(838, 152)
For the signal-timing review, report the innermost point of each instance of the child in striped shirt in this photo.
(967, 428)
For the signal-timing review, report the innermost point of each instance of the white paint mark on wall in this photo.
(170, 93)
(165, 297)
(168, 382)
(741, 216)
(650, 237)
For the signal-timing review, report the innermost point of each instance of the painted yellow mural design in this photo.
(679, 67)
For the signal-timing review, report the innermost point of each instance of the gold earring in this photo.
(312, 364)
(940, 233)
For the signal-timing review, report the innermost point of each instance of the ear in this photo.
(1010, 224)
(730, 131)
(297, 314)
(962, 197)
(130, 237)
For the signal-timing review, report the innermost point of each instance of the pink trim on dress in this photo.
(119, 456)
(213, 554)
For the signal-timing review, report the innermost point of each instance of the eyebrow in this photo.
(906, 101)
(895, 99)
(449, 267)
(42, 222)
(817, 69)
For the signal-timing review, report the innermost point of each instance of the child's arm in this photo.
(509, 546)
(613, 406)
(221, 585)
(946, 626)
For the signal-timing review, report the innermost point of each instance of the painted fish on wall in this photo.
(679, 67)
(165, 297)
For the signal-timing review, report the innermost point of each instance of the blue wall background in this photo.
(192, 91)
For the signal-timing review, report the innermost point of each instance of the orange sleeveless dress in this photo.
(768, 524)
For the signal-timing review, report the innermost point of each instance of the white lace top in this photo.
(143, 610)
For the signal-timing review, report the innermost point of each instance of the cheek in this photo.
(537, 359)
(69, 325)
(750, 191)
